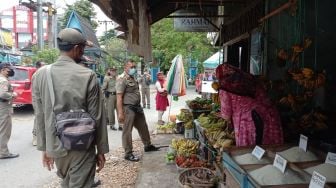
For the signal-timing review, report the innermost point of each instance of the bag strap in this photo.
(50, 86)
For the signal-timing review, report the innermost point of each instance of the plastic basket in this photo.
(208, 174)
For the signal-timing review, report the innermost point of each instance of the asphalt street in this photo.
(27, 170)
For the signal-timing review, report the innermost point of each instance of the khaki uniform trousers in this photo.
(111, 104)
(5, 127)
(137, 120)
(145, 94)
(77, 168)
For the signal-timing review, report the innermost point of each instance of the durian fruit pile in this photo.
(185, 147)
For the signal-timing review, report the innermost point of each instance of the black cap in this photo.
(5, 65)
(72, 36)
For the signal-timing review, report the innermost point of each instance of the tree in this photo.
(115, 48)
(167, 43)
(84, 8)
(47, 55)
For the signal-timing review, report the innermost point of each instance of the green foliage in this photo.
(110, 34)
(47, 55)
(115, 48)
(83, 8)
(167, 43)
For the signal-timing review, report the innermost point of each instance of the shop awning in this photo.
(213, 61)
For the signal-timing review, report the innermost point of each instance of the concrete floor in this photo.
(154, 171)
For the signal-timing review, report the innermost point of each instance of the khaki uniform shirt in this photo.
(75, 87)
(129, 87)
(6, 94)
(144, 80)
(109, 84)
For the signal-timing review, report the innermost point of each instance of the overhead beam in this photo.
(198, 16)
(209, 2)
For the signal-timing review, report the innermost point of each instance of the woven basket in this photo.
(192, 175)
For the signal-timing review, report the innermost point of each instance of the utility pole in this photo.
(105, 22)
(39, 25)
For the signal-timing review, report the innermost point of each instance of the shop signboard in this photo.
(258, 152)
(280, 163)
(303, 142)
(193, 24)
(317, 180)
(6, 38)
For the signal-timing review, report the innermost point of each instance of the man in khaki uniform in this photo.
(75, 87)
(109, 89)
(6, 110)
(145, 81)
(130, 112)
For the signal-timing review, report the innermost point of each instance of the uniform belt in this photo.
(113, 93)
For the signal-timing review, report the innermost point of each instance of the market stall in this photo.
(236, 157)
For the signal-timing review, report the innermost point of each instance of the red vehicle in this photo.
(21, 82)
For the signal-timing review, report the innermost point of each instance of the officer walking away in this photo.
(6, 110)
(109, 89)
(145, 81)
(75, 87)
(130, 111)
(38, 65)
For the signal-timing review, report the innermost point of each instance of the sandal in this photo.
(9, 156)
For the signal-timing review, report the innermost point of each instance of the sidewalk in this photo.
(154, 172)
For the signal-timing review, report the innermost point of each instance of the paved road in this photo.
(27, 170)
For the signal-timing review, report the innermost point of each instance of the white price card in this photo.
(331, 158)
(303, 142)
(280, 163)
(317, 180)
(258, 152)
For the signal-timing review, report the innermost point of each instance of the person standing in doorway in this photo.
(6, 110)
(74, 87)
(38, 65)
(145, 81)
(161, 97)
(109, 89)
(130, 111)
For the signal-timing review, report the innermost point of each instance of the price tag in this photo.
(317, 180)
(280, 163)
(303, 142)
(258, 152)
(331, 158)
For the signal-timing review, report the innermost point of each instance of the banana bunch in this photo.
(185, 147)
(289, 100)
(216, 138)
(169, 125)
(313, 120)
(188, 125)
(297, 76)
(308, 79)
(307, 73)
(223, 143)
(212, 121)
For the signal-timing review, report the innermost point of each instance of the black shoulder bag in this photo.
(75, 128)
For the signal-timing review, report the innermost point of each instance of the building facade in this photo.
(22, 22)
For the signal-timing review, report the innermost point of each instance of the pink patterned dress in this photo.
(239, 109)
